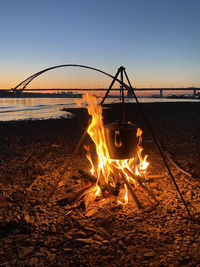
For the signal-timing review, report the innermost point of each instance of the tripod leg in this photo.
(81, 139)
(157, 145)
(113, 81)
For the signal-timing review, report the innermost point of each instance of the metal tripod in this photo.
(122, 72)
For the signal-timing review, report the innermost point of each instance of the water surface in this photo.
(46, 108)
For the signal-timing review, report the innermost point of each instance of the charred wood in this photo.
(137, 179)
(104, 187)
(135, 198)
(71, 197)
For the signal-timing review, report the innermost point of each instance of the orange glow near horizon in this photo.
(87, 80)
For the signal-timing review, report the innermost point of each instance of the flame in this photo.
(90, 159)
(106, 167)
(98, 191)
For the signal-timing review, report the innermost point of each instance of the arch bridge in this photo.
(22, 85)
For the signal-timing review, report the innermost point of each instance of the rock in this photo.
(55, 145)
(61, 220)
(154, 185)
(98, 237)
(189, 195)
(104, 241)
(98, 243)
(40, 254)
(149, 254)
(51, 257)
(91, 212)
(84, 240)
(61, 183)
(33, 261)
(88, 228)
(197, 207)
(27, 218)
(103, 230)
(120, 242)
(24, 251)
(68, 249)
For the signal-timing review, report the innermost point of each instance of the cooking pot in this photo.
(121, 139)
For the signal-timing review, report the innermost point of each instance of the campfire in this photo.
(120, 168)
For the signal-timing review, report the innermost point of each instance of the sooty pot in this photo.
(121, 139)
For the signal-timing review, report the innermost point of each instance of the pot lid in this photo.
(119, 125)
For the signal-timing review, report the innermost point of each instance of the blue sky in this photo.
(158, 41)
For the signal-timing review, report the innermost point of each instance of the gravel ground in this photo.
(38, 232)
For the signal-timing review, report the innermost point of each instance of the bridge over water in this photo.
(193, 90)
(21, 87)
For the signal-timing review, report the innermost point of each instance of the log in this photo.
(137, 179)
(177, 167)
(71, 197)
(86, 175)
(155, 176)
(104, 187)
(135, 198)
(59, 179)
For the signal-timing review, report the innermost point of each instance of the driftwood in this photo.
(177, 167)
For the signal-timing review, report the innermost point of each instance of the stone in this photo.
(98, 242)
(27, 218)
(154, 185)
(24, 251)
(149, 254)
(55, 145)
(51, 257)
(98, 237)
(91, 212)
(33, 261)
(84, 240)
(189, 195)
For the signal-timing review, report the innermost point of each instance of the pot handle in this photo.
(118, 141)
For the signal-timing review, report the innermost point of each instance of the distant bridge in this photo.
(193, 89)
(22, 86)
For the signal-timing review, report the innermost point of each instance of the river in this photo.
(46, 108)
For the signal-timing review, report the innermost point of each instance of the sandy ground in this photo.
(37, 232)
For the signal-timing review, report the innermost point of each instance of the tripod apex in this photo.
(121, 68)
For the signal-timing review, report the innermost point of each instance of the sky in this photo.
(157, 41)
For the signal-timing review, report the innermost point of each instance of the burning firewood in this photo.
(86, 175)
(104, 187)
(137, 179)
(137, 202)
(71, 197)
(113, 169)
